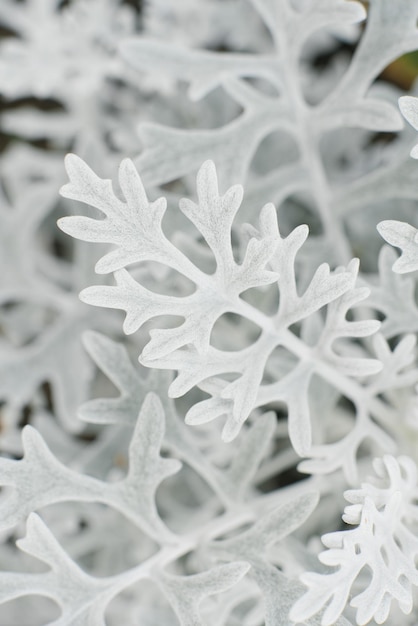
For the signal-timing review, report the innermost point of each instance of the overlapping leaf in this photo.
(187, 348)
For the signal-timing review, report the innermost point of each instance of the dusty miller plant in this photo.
(224, 430)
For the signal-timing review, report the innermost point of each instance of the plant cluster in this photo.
(187, 403)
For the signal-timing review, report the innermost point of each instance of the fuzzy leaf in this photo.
(185, 593)
(403, 236)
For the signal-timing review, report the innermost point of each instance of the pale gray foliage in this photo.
(187, 348)
(386, 503)
(277, 365)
